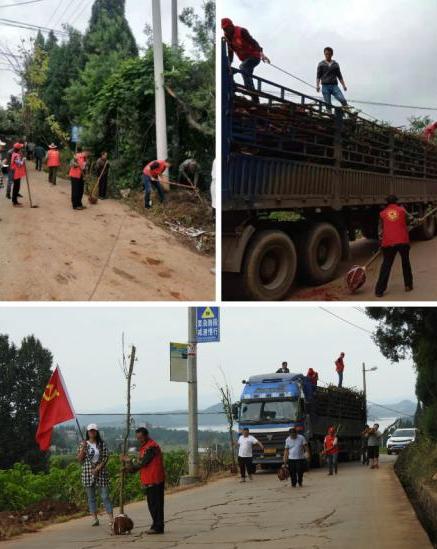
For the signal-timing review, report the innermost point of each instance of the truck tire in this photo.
(321, 250)
(270, 266)
(427, 230)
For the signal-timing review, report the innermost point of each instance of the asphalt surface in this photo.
(104, 253)
(357, 509)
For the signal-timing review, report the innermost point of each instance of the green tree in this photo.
(410, 332)
(24, 372)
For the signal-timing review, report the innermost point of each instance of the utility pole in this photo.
(365, 392)
(174, 24)
(193, 447)
(158, 55)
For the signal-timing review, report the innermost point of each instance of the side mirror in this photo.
(235, 411)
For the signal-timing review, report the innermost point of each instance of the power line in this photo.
(22, 3)
(377, 103)
(346, 321)
(390, 409)
(28, 26)
(64, 13)
(55, 12)
(80, 8)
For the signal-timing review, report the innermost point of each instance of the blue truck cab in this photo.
(271, 404)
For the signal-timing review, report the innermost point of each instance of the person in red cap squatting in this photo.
(330, 447)
(77, 168)
(18, 167)
(247, 49)
(53, 162)
(150, 465)
(151, 174)
(395, 239)
(339, 368)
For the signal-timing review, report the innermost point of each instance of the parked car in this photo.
(400, 439)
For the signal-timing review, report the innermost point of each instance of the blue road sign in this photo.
(207, 324)
(75, 133)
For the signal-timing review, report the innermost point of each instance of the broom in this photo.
(122, 523)
(91, 198)
(356, 276)
(28, 189)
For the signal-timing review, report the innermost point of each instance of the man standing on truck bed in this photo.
(283, 369)
(339, 368)
(395, 238)
(294, 456)
(247, 49)
(328, 72)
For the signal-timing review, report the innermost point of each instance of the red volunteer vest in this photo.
(329, 445)
(394, 226)
(157, 171)
(76, 173)
(153, 472)
(242, 48)
(339, 365)
(19, 171)
(53, 158)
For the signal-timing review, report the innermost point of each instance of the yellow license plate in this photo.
(270, 451)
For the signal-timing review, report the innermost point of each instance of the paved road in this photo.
(424, 263)
(104, 253)
(358, 509)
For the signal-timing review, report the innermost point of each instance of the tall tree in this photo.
(24, 372)
(411, 332)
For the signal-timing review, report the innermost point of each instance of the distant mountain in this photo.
(398, 409)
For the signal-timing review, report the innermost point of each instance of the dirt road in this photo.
(357, 509)
(104, 253)
(424, 263)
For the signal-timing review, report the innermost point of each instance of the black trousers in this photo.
(155, 502)
(38, 163)
(245, 464)
(53, 170)
(16, 190)
(103, 185)
(77, 188)
(389, 254)
(296, 468)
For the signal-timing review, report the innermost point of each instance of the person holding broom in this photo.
(77, 169)
(150, 465)
(151, 174)
(395, 239)
(18, 168)
(102, 172)
(93, 456)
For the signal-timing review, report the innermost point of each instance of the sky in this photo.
(86, 343)
(385, 49)
(77, 13)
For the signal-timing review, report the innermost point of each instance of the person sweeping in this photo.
(76, 173)
(395, 240)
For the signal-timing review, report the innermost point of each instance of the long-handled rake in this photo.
(28, 190)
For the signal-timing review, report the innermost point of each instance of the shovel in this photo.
(28, 190)
(356, 276)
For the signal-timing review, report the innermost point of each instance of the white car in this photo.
(400, 439)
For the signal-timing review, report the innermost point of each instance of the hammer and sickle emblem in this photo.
(50, 393)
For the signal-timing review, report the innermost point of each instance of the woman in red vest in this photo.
(77, 168)
(247, 49)
(18, 167)
(150, 464)
(331, 449)
(395, 239)
(53, 162)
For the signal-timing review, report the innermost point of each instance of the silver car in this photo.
(400, 439)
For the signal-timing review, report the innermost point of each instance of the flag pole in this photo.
(79, 429)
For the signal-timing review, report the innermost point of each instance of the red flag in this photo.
(55, 407)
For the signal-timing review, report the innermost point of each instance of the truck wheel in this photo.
(426, 231)
(270, 266)
(321, 253)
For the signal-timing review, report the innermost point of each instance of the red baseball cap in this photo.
(18, 145)
(227, 23)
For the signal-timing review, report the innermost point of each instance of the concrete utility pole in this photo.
(193, 446)
(364, 385)
(174, 24)
(158, 55)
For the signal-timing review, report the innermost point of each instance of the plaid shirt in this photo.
(102, 477)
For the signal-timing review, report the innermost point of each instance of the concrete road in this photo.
(104, 253)
(424, 263)
(358, 509)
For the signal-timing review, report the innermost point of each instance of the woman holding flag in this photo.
(93, 455)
